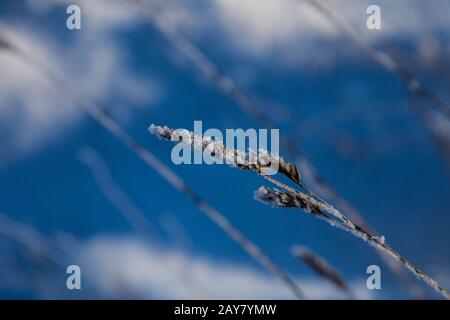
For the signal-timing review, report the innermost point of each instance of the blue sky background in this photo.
(351, 118)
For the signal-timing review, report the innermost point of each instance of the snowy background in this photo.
(350, 117)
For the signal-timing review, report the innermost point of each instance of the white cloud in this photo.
(93, 62)
(263, 24)
(119, 266)
(259, 26)
(30, 109)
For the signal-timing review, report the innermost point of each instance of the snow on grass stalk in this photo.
(248, 105)
(291, 197)
(288, 199)
(113, 128)
(260, 162)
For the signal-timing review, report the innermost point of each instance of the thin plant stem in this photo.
(322, 267)
(359, 232)
(115, 193)
(291, 197)
(112, 127)
(408, 79)
(244, 101)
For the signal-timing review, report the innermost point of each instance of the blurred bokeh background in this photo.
(68, 188)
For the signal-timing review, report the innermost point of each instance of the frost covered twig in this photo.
(290, 197)
(257, 162)
(236, 93)
(320, 266)
(261, 161)
(293, 198)
(111, 126)
(433, 119)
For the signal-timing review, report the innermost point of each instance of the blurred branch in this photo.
(180, 237)
(290, 197)
(408, 79)
(321, 267)
(37, 243)
(114, 193)
(43, 257)
(438, 128)
(111, 126)
(131, 211)
(233, 91)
